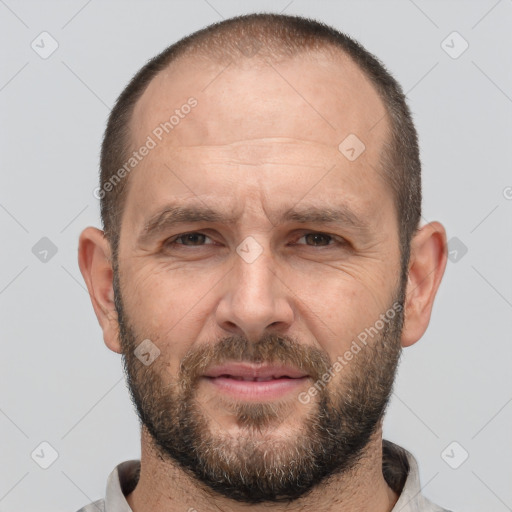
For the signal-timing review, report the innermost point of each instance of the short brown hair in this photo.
(278, 36)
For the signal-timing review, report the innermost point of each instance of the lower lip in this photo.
(254, 390)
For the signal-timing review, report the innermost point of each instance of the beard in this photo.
(256, 466)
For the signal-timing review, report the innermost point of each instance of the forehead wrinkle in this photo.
(256, 140)
(299, 154)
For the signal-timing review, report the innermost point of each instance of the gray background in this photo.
(60, 384)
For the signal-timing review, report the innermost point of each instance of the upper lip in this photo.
(249, 371)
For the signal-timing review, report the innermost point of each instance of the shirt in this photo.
(399, 468)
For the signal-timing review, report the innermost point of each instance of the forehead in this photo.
(284, 118)
(315, 96)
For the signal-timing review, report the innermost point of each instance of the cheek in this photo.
(338, 308)
(158, 294)
(168, 307)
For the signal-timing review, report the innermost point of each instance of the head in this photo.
(272, 218)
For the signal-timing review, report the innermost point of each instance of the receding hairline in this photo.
(198, 55)
(258, 38)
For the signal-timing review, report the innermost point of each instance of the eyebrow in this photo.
(173, 215)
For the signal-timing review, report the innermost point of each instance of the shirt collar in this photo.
(120, 483)
(401, 472)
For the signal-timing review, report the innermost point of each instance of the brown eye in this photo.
(318, 239)
(193, 238)
(188, 240)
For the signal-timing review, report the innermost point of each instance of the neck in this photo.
(165, 487)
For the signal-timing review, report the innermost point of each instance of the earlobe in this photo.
(94, 260)
(426, 268)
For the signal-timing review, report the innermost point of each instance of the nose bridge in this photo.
(252, 268)
(254, 299)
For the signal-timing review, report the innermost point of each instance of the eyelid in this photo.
(173, 238)
(334, 238)
(335, 242)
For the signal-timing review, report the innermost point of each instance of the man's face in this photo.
(267, 287)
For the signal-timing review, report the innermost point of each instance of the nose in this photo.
(255, 299)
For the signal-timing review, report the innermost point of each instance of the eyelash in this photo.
(172, 241)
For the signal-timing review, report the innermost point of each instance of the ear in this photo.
(94, 260)
(426, 268)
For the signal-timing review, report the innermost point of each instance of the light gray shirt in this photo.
(399, 468)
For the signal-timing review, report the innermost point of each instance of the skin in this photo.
(263, 138)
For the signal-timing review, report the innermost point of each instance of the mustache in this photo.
(271, 349)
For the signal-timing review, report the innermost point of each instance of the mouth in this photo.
(255, 382)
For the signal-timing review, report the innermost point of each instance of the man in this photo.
(260, 269)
